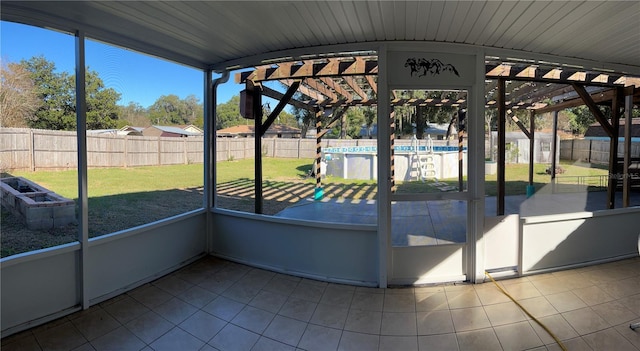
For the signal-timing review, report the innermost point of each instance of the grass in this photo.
(121, 198)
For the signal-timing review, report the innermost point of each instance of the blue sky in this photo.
(137, 77)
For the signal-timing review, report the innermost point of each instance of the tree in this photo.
(134, 115)
(18, 96)
(580, 118)
(305, 119)
(102, 109)
(228, 114)
(57, 92)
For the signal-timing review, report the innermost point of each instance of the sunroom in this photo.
(330, 56)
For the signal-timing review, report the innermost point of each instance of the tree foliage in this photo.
(56, 91)
(18, 96)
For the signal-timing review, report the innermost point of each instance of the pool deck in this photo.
(442, 222)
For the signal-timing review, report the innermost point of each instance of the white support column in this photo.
(210, 143)
(81, 136)
(384, 170)
(475, 179)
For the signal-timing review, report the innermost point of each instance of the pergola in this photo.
(336, 83)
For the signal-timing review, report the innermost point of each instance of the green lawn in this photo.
(121, 198)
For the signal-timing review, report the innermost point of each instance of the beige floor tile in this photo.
(64, 336)
(242, 291)
(285, 330)
(268, 301)
(253, 319)
(399, 302)
(538, 307)
(95, 324)
(463, 298)
(504, 313)
(434, 322)
(608, 339)
(203, 325)
(431, 301)
(362, 321)
(395, 343)
(614, 312)
(232, 337)
(351, 341)
(126, 309)
(517, 336)
(118, 339)
(308, 291)
(367, 301)
(223, 308)
(177, 339)
(622, 288)
(298, 309)
(565, 301)
(317, 338)
(465, 319)
(25, 343)
(441, 342)
(329, 316)
(173, 285)
(150, 296)
(479, 340)
(632, 303)
(175, 310)
(576, 344)
(550, 285)
(197, 296)
(585, 321)
(149, 327)
(522, 290)
(399, 324)
(266, 344)
(632, 335)
(592, 295)
(557, 325)
(281, 285)
(489, 294)
(337, 295)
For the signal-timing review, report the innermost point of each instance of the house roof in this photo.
(175, 130)
(226, 34)
(249, 129)
(596, 130)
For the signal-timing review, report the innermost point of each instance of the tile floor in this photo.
(219, 305)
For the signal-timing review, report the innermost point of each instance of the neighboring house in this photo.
(168, 131)
(246, 131)
(192, 129)
(596, 132)
(129, 130)
(437, 131)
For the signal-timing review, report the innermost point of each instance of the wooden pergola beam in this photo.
(276, 95)
(336, 87)
(584, 95)
(315, 85)
(332, 67)
(284, 101)
(356, 88)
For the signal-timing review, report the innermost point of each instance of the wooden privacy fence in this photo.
(35, 149)
(592, 151)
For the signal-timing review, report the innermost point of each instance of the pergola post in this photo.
(554, 151)
(502, 121)
(626, 185)
(256, 112)
(318, 193)
(532, 127)
(613, 149)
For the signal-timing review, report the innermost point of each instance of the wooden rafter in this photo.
(321, 88)
(335, 86)
(584, 95)
(356, 88)
(333, 67)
